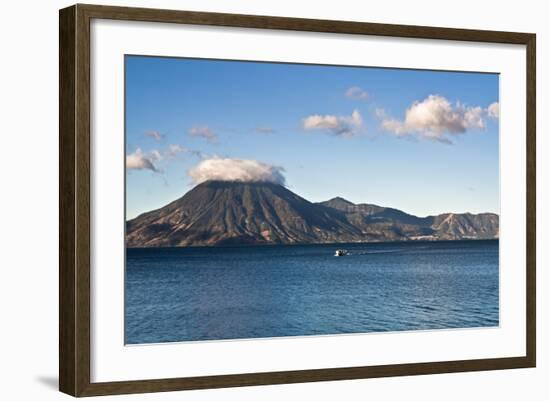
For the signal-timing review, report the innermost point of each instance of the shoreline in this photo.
(315, 244)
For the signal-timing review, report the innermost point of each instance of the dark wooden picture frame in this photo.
(74, 200)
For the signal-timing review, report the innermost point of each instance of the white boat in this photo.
(340, 252)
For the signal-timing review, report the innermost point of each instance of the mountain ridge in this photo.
(217, 213)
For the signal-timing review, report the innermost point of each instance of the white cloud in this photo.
(149, 161)
(435, 118)
(493, 110)
(346, 126)
(204, 132)
(174, 149)
(157, 136)
(357, 93)
(155, 155)
(139, 161)
(380, 112)
(474, 117)
(394, 126)
(236, 170)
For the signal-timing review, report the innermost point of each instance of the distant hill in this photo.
(217, 213)
(388, 224)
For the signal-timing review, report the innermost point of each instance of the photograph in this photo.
(269, 200)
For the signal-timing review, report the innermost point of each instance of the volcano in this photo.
(218, 213)
(226, 213)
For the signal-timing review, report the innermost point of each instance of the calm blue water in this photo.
(183, 294)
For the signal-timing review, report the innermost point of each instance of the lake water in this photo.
(186, 294)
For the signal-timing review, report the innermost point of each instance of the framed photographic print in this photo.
(250, 200)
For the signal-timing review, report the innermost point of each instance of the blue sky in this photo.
(425, 142)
